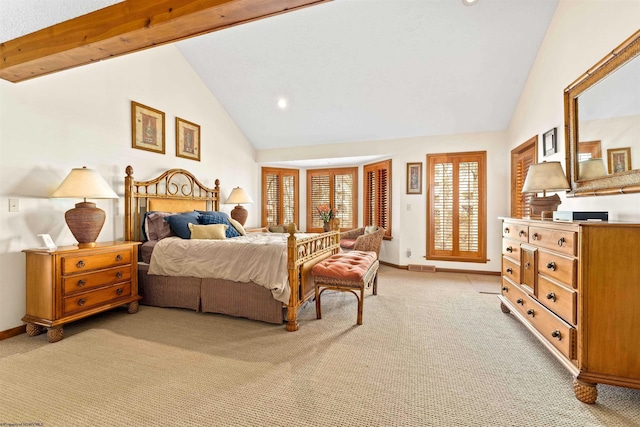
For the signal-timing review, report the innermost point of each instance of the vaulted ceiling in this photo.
(353, 70)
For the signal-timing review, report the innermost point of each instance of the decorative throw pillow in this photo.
(277, 229)
(370, 229)
(179, 223)
(239, 228)
(214, 217)
(157, 227)
(210, 231)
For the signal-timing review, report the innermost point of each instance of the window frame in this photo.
(280, 172)
(331, 172)
(382, 209)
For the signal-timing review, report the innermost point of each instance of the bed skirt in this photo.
(210, 296)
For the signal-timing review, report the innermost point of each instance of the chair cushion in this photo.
(351, 266)
(347, 243)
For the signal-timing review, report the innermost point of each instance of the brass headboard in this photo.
(175, 190)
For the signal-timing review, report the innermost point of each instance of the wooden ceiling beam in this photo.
(127, 27)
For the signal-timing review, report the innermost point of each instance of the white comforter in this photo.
(260, 258)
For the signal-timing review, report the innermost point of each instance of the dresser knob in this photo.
(510, 270)
(506, 230)
(561, 241)
(551, 266)
(520, 301)
(119, 275)
(505, 289)
(80, 264)
(522, 233)
(119, 291)
(118, 257)
(527, 265)
(81, 301)
(509, 249)
(557, 335)
(535, 236)
(551, 296)
(531, 313)
(81, 283)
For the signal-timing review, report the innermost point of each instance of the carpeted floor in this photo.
(433, 351)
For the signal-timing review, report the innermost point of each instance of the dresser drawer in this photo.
(511, 269)
(511, 249)
(83, 282)
(518, 232)
(516, 295)
(95, 261)
(558, 267)
(87, 300)
(558, 240)
(556, 331)
(560, 300)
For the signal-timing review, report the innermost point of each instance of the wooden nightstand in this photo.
(70, 283)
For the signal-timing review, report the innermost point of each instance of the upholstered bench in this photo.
(346, 272)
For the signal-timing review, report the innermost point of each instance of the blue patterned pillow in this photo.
(179, 223)
(214, 217)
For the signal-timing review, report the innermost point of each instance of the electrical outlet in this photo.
(14, 205)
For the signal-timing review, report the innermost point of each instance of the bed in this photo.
(179, 191)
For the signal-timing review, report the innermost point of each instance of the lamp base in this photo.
(85, 222)
(240, 214)
(543, 204)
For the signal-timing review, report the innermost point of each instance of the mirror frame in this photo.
(621, 183)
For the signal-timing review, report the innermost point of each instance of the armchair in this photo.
(357, 240)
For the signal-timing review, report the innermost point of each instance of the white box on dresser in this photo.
(576, 287)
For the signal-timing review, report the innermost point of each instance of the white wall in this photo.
(580, 35)
(82, 117)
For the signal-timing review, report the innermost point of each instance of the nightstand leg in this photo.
(55, 334)
(33, 329)
(585, 392)
(133, 307)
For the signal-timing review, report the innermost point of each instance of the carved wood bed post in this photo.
(294, 279)
(128, 188)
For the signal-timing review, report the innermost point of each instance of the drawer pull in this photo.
(119, 291)
(509, 249)
(118, 257)
(551, 296)
(80, 264)
(522, 233)
(551, 266)
(527, 265)
(520, 301)
(561, 241)
(531, 313)
(506, 230)
(119, 275)
(535, 236)
(557, 335)
(510, 270)
(81, 301)
(505, 289)
(81, 283)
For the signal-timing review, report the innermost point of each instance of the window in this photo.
(279, 196)
(457, 207)
(338, 188)
(377, 195)
(521, 158)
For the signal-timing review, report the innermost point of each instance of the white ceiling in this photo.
(355, 70)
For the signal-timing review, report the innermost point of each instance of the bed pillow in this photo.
(369, 229)
(179, 223)
(210, 231)
(239, 228)
(214, 217)
(157, 227)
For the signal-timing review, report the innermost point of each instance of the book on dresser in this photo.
(576, 287)
(69, 283)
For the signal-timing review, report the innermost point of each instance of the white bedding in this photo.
(260, 258)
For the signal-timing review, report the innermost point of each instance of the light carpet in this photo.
(432, 352)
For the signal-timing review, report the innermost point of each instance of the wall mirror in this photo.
(602, 125)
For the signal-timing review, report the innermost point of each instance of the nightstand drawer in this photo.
(557, 267)
(95, 261)
(87, 300)
(560, 300)
(561, 241)
(96, 279)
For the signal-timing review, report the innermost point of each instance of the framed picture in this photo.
(619, 159)
(187, 139)
(549, 142)
(414, 178)
(147, 128)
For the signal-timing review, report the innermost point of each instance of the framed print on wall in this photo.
(414, 178)
(147, 128)
(549, 142)
(619, 159)
(187, 139)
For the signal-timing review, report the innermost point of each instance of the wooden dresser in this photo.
(70, 283)
(576, 287)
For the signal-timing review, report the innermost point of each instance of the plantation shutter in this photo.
(521, 160)
(377, 203)
(338, 189)
(279, 196)
(456, 207)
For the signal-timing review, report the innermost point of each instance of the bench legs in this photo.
(320, 288)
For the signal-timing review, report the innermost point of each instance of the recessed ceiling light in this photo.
(469, 2)
(282, 103)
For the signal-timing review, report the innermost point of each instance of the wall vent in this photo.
(423, 268)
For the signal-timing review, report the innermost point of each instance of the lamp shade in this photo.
(545, 176)
(591, 168)
(238, 195)
(85, 220)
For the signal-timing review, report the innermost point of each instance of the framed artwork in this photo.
(619, 159)
(549, 142)
(414, 178)
(147, 128)
(187, 139)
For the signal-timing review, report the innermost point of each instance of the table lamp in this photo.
(543, 177)
(238, 195)
(591, 168)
